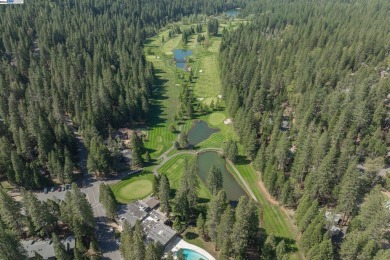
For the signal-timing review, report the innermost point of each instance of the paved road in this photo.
(90, 187)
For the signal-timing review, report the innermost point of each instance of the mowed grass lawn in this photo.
(165, 101)
(174, 170)
(208, 84)
(274, 220)
(133, 187)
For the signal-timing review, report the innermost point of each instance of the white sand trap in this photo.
(200, 71)
(219, 96)
(158, 57)
(177, 85)
(200, 99)
(227, 121)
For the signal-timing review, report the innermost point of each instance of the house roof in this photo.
(133, 212)
(157, 231)
(151, 202)
(45, 247)
(151, 220)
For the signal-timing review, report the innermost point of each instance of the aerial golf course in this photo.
(206, 86)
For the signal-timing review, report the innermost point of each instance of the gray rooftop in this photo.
(151, 220)
(133, 212)
(157, 231)
(45, 247)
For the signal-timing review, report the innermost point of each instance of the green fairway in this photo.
(174, 170)
(206, 85)
(133, 188)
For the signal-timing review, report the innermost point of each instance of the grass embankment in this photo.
(191, 236)
(133, 187)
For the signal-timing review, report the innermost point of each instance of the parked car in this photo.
(110, 229)
(45, 190)
(53, 189)
(59, 188)
(118, 242)
(68, 187)
(63, 188)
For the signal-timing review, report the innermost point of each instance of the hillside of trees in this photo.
(75, 62)
(307, 86)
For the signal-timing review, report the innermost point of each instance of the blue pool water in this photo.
(180, 57)
(192, 255)
(232, 12)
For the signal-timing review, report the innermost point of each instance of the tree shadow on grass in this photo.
(242, 160)
(202, 200)
(138, 174)
(191, 235)
(159, 94)
(291, 246)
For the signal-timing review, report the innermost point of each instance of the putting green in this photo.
(216, 118)
(135, 187)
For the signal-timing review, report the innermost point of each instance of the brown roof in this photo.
(151, 202)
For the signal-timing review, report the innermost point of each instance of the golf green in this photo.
(216, 118)
(135, 187)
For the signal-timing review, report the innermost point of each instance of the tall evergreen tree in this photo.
(214, 180)
(164, 194)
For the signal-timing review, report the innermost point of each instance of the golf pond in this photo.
(198, 133)
(180, 57)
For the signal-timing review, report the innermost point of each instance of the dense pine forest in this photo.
(78, 63)
(307, 85)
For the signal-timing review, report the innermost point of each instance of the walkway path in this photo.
(247, 188)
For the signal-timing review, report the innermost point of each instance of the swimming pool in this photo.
(192, 255)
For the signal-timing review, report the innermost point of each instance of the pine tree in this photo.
(10, 247)
(231, 150)
(200, 225)
(350, 193)
(281, 250)
(107, 198)
(59, 248)
(183, 140)
(156, 185)
(214, 180)
(269, 247)
(136, 148)
(216, 207)
(126, 240)
(138, 246)
(164, 193)
(10, 213)
(224, 230)
(154, 251)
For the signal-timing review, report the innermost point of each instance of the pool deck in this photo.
(179, 243)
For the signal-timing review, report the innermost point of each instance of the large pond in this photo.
(200, 132)
(180, 58)
(232, 12)
(205, 160)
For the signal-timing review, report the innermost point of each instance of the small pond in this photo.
(180, 57)
(205, 160)
(232, 12)
(200, 132)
